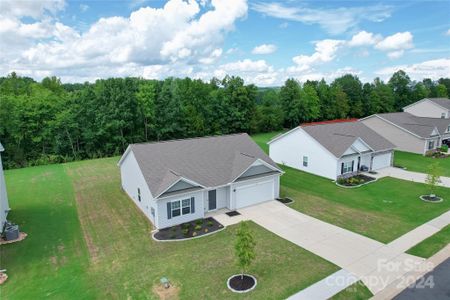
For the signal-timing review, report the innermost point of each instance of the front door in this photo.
(212, 201)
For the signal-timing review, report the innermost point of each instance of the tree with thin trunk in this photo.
(433, 177)
(244, 247)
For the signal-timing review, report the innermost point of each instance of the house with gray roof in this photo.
(332, 149)
(177, 181)
(4, 205)
(430, 108)
(409, 132)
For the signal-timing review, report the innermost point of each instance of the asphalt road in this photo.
(434, 285)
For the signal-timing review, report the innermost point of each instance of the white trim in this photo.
(423, 100)
(281, 135)
(124, 155)
(184, 179)
(262, 162)
(399, 127)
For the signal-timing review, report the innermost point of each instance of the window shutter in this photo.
(169, 210)
(342, 168)
(353, 164)
(192, 205)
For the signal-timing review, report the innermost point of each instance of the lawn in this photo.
(262, 138)
(433, 244)
(383, 210)
(87, 240)
(357, 291)
(419, 163)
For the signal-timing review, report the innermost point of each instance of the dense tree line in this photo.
(47, 121)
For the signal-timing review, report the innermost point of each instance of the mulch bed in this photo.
(285, 200)
(232, 213)
(3, 277)
(22, 236)
(241, 283)
(355, 180)
(187, 230)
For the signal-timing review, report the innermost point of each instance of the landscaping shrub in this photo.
(444, 148)
(198, 227)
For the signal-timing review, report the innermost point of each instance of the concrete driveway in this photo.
(375, 263)
(407, 175)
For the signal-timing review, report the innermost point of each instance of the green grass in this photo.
(262, 138)
(383, 210)
(357, 291)
(419, 163)
(433, 244)
(87, 240)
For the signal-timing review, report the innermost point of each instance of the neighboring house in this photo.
(4, 206)
(332, 149)
(430, 108)
(177, 181)
(410, 133)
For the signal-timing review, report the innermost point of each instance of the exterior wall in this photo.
(180, 185)
(345, 159)
(274, 178)
(290, 149)
(402, 140)
(222, 198)
(163, 221)
(4, 206)
(427, 109)
(382, 160)
(365, 160)
(437, 143)
(255, 170)
(132, 179)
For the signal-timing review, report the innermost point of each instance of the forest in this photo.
(52, 122)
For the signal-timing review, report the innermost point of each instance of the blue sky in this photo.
(264, 42)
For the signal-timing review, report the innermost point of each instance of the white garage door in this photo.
(381, 161)
(254, 193)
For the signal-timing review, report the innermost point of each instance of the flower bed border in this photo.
(244, 291)
(429, 201)
(356, 186)
(220, 228)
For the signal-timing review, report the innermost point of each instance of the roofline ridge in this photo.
(191, 138)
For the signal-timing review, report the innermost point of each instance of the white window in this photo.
(305, 161)
(430, 145)
(152, 211)
(139, 194)
(181, 207)
(347, 168)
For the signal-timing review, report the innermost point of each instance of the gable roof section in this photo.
(419, 126)
(208, 162)
(339, 137)
(442, 102)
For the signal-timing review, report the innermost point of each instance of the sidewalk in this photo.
(407, 175)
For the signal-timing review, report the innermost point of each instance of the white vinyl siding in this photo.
(427, 109)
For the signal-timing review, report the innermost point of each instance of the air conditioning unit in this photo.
(11, 232)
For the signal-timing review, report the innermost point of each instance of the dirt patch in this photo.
(22, 236)
(3, 278)
(170, 293)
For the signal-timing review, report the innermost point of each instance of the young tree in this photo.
(244, 247)
(433, 177)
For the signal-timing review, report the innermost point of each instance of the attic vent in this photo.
(347, 135)
(248, 155)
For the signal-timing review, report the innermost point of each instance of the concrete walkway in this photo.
(375, 263)
(408, 175)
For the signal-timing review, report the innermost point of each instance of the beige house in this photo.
(430, 108)
(409, 132)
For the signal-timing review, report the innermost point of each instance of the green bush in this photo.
(444, 148)
(199, 222)
(198, 227)
(210, 223)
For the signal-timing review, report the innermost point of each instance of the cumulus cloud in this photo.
(264, 49)
(396, 44)
(325, 51)
(433, 69)
(258, 72)
(181, 32)
(363, 38)
(332, 20)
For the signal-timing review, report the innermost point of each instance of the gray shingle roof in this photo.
(338, 137)
(208, 161)
(444, 102)
(420, 126)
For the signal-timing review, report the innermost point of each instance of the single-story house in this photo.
(4, 205)
(410, 133)
(177, 181)
(430, 108)
(332, 149)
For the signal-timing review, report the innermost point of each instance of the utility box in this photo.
(12, 232)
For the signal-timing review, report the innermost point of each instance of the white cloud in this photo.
(325, 51)
(178, 33)
(363, 38)
(84, 7)
(332, 20)
(264, 49)
(396, 44)
(433, 69)
(448, 32)
(33, 9)
(258, 72)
